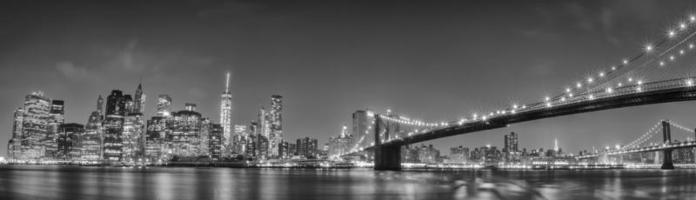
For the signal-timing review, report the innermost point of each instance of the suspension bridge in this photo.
(651, 142)
(659, 73)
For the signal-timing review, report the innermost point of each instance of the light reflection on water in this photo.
(228, 183)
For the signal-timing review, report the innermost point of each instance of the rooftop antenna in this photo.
(227, 84)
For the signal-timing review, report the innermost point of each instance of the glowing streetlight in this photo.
(682, 26)
(662, 63)
(578, 85)
(625, 61)
(648, 48)
(671, 33)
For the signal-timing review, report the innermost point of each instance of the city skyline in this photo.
(319, 110)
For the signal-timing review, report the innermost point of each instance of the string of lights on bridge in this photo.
(583, 90)
(635, 146)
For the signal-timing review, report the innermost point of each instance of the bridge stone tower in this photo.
(387, 157)
(667, 153)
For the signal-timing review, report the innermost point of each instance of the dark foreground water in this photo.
(228, 183)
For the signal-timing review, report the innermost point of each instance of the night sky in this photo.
(431, 61)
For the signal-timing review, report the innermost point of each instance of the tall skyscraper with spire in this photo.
(139, 101)
(226, 113)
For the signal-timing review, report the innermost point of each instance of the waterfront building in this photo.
(292, 150)
(56, 118)
(216, 136)
(252, 145)
(510, 148)
(157, 131)
(261, 147)
(113, 126)
(131, 138)
(204, 138)
(226, 113)
(428, 154)
(69, 141)
(459, 154)
(276, 126)
(186, 126)
(239, 139)
(307, 147)
(91, 139)
(283, 150)
(409, 154)
(340, 145)
(37, 108)
(14, 146)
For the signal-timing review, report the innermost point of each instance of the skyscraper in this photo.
(131, 138)
(34, 124)
(215, 141)
(69, 136)
(14, 147)
(115, 103)
(226, 113)
(276, 126)
(139, 101)
(91, 140)
(186, 127)
(113, 125)
(55, 119)
(511, 143)
(157, 131)
(204, 138)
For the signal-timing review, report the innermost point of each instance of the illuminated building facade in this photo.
(204, 138)
(131, 138)
(185, 126)
(275, 120)
(215, 141)
(157, 130)
(139, 100)
(226, 114)
(37, 109)
(113, 125)
(91, 140)
(340, 145)
(239, 139)
(56, 118)
(307, 147)
(164, 102)
(14, 147)
(69, 141)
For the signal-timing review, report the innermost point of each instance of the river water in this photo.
(232, 183)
